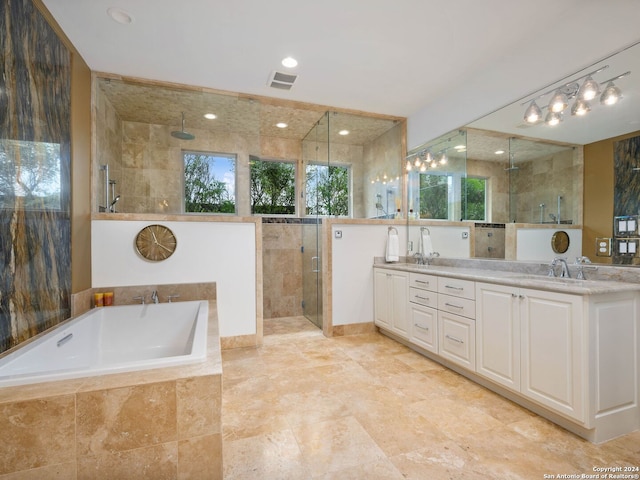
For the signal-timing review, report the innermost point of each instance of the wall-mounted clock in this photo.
(155, 242)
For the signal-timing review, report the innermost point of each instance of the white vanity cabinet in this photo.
(390, 289)
(533, 342)
(423, 314)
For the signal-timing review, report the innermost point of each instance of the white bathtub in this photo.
(112, 340)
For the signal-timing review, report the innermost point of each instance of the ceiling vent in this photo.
(282, 81)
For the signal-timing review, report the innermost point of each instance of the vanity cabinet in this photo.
(532, 342)
(390, 289)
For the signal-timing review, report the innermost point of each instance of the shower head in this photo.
(181, 134)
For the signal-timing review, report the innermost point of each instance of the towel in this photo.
(393, 247)
(427, 246)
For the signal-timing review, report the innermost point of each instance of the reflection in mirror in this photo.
(565, 173)
(139, 136)
(437, 186)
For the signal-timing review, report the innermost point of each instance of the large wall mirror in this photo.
(581, 171)
(151, 139)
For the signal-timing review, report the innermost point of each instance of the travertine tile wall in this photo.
(282, 269)
(541, 181)
(109, 139)
(382, 157)
(489, 241)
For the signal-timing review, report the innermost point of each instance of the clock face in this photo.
(155, 242)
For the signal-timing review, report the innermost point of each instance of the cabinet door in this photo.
(399, 284)
(457, 339)
(553, 356)
(424, 327)
(381, 299)
(498, 334)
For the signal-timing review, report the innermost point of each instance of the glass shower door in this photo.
(315, 147)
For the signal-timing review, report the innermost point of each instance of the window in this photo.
(328, 190)
(209, 182)
(434, 195)
(273, 187)
(474, 198)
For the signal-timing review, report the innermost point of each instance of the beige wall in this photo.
(599, 194)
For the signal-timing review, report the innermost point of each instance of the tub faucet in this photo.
(565, 268)
(154, 297)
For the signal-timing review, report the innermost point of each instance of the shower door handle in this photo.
(314, 264)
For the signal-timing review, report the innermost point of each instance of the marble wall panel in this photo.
(35, 232)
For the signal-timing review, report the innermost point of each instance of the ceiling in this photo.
(379, 56)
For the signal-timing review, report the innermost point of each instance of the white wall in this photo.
(352, 263)
(221, 252)
(534, 244)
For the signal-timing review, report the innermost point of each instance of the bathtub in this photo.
(112, 340)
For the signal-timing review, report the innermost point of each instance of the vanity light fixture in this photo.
(210, 116)
(343, 132)
(281, 125)
(499, 152)
(581, 94)
(611, 95)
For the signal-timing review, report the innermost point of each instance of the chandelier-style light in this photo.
(581, 94)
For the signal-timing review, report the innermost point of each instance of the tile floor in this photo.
(365, 407)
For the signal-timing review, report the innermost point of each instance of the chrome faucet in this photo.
(154, 297)
(564, 273)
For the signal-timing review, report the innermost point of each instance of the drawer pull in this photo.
(454, 306)
(457, 340)
(426, 299)
(454, 288)
(421, 326)
(422, 281)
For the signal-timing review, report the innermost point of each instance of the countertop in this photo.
(517, 279)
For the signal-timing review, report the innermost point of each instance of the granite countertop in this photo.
(517, 279)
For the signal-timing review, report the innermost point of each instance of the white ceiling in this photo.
(382, 56)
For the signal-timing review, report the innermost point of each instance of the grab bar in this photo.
(64, 339)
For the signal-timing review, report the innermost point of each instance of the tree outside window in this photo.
(209, 182)
(434, 196)
(327, 190)
(273, 189)
(474, 198)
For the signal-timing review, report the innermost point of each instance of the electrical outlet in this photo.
(338, 234)
(603, 247)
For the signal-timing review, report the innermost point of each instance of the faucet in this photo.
(580, 262)
(154, 297)
(565, 268)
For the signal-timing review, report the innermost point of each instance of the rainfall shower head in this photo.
(181, 134)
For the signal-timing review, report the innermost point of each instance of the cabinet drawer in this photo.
(424, 327)
(425, 282)
(457, 288)
(457, 339)
(457, 305)
(423, 297)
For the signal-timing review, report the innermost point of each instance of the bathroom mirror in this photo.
(143, 129)
(540, 175)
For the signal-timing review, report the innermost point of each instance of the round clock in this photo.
(156, 242)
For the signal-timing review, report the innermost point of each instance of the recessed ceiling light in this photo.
(210, 116)
(289, 62)
(281, 125)
(119, 15)
(499, 152)
(343, 132)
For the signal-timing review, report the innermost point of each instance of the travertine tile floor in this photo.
(365, 407)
